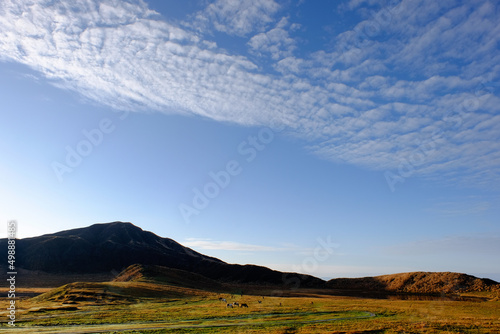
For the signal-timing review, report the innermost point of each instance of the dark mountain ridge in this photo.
(103, 247)
(112, 247)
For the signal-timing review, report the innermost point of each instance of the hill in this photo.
(417, 283)
(114, 292)
(102, 249)
(168, 276)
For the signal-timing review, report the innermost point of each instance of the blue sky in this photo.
(339, 139)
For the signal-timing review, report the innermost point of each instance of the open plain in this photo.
(147, 307)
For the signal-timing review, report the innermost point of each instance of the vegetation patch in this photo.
(54, 309)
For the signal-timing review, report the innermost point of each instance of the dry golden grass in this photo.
(418, 282)
(151, 308)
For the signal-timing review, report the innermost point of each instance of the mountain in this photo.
(103, 248)
(416, 283)
(112, 247)
(124, 252)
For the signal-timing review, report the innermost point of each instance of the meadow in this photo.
(120, 307)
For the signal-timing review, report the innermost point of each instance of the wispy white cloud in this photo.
(277, 41)
(461, 207)
(208, 244)
(290, 249)
(412, 72)
(237, 17)
(353, 4)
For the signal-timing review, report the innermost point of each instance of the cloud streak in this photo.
(208, 244)
(399, 78)
(237, 17)
(276, 42)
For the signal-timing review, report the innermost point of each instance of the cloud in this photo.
(353, 4)
(412, 85)
(461, 207)
(237, 17)
(276, 41)
(208, 244)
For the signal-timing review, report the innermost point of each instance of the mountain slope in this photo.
(165, 275)
(111, 247)
(103, 247)
(417, 282)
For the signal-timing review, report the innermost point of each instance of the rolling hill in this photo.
(168, 276)
(417, 283)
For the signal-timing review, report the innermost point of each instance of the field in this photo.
(141, 307)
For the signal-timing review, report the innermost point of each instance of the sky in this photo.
(339, 139)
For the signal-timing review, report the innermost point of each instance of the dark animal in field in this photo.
(223, 300)
(244, 305)
(260, 301)
(229, 305)
(236, 304)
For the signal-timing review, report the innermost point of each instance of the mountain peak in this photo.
(102, 247)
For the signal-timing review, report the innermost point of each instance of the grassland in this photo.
(141, 307)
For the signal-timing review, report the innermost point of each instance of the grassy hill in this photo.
(115, 292)
(170, 276)
(417, 282)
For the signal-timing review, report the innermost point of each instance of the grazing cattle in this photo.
(229, 305)
(236, 304)
(244, 305)
(223, 300)
(260, 301)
